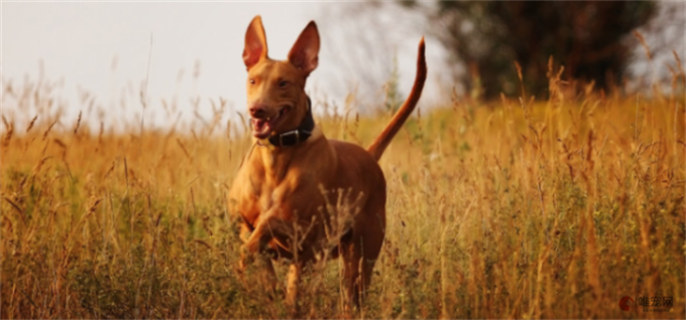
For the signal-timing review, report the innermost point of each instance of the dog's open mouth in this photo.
(263, 127)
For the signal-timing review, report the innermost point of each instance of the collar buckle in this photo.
(295, 132)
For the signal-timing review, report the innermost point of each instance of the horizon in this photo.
(103, 56)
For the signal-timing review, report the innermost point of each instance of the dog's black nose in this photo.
(258, 111)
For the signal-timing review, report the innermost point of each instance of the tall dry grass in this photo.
(516, 209)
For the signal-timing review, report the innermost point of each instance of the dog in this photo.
(297, 194)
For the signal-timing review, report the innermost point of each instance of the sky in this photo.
(100, 55)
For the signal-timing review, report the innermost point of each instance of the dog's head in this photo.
(276, 89)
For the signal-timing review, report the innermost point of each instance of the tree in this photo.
(588, 38)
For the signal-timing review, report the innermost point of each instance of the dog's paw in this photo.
(245, 260)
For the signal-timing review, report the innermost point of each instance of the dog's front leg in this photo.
(269, 226)
(292, 281)
(246, 256)
(267, 276)
(267, 229)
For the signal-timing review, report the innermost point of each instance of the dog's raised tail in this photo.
(377, 148)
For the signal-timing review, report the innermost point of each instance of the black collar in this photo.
(300, 134)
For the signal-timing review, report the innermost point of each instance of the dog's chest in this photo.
(288, 184)
(282, 194)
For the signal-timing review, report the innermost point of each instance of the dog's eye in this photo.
(251, 81)
(283, 83)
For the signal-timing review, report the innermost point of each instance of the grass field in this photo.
(509, 209)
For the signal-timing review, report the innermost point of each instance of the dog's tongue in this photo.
(261, 128)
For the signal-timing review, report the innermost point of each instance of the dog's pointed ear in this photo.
(305, 52)
(255, 43)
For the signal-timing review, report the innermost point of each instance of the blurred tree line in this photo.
(587, 38)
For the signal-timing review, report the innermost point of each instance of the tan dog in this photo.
(298, 194)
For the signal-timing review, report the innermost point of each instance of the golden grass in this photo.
(552, 209)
